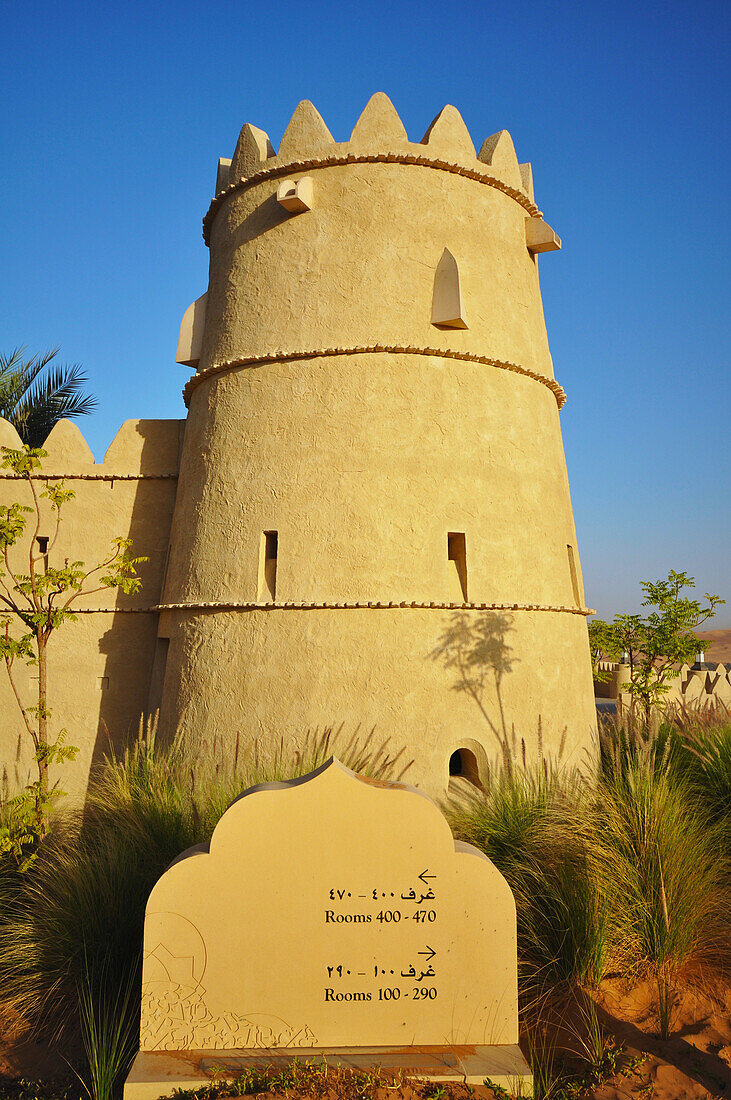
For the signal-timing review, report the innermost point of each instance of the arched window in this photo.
(447, 310)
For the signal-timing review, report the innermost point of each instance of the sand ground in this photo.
(693, 1064)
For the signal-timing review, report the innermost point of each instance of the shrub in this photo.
(509, 819)
(77, 920)
(657, 862)
(535, 826)
(690, 745)
(634, 871)
(704, 737)
(629, 741)
(562, 917)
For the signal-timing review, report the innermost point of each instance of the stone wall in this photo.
(100, 666)
(701, 685)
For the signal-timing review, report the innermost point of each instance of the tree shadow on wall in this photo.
(475, 648)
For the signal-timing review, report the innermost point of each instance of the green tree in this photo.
(656, 645)
(34, 396)
(628, 633)
(667, 636)
(602, 646)
(39, 601)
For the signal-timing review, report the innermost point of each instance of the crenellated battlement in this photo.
(702, 685)
(140, 449)
(379, 136)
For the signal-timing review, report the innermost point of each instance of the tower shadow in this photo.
(475, 648)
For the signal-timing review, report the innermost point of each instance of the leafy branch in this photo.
(39, 601)
(656, 645)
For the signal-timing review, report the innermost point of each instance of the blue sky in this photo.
(114, 116)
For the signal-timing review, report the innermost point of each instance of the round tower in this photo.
(373, 524)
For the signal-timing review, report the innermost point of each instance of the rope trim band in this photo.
(89, 477)
(391, 349)
(113, 610)
(375, 605)
(292, 606)
(364, 158)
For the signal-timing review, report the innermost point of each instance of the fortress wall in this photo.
(433, 680)
(99, 665)
(708, 686)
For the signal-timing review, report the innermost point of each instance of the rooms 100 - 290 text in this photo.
(418, 993)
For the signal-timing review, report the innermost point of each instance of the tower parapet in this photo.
(378, 137)
(373, 488)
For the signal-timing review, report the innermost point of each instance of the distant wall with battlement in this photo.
(700, 685)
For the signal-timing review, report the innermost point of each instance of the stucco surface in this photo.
(359, 267)
(431, 680)
(363, 464)
(363, 461)
(99, 665)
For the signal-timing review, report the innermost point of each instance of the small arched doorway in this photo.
(463, 763)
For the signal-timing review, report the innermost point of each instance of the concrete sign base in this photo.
(160, 1073)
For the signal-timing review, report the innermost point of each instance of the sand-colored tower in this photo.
(373, 523)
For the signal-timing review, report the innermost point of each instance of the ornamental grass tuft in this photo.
(74, 920)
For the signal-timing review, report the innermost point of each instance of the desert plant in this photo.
(63, 931)
(666, 983)
(65, 925)
(704, 737)
(666, 800)
(508, 820)
(628, 742)
(597, 1050)
(108, 1017)
(35, 604)
(544, 1059)
(656, 860)
(563, 916)
(532, 823)
(692, 745)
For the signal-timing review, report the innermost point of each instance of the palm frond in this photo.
(34, 401)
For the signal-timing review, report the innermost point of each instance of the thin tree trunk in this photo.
(42, 643)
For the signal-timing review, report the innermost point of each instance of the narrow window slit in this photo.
(457, 552)
(268, 566)
(43, 541)
(574, 575)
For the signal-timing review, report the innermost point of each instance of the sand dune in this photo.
(720, 647)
